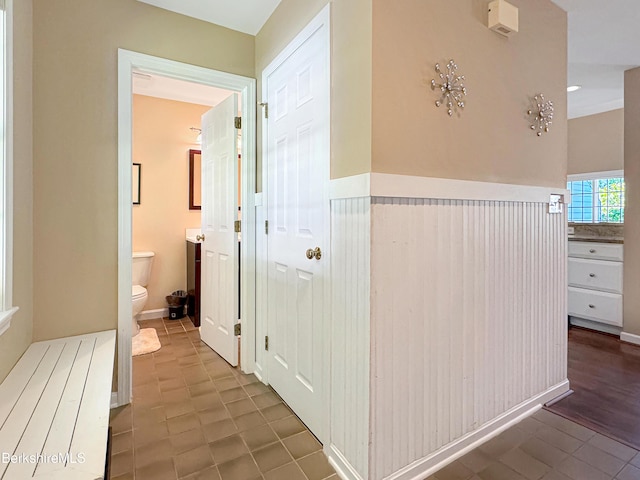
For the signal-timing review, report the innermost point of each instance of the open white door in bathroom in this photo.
(219, 267)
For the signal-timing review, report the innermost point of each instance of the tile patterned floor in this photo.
(548, 447)
(195, 417)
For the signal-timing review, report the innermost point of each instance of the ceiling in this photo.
(178, 90)
(246, 16)
(604, 41)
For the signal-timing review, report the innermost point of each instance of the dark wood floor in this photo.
(605, 376)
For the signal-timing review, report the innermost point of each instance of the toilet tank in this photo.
(141, 268)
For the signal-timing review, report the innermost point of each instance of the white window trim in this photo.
(580, 177)
(8, 310)
(595, 175)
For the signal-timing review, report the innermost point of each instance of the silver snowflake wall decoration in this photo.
(542, 114)
(451, 86)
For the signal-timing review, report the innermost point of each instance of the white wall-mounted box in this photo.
(503, 18)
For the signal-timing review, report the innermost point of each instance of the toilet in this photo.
(141, 271)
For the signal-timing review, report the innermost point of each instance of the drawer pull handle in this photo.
(593, 250)
(592, 275)
(591, 305)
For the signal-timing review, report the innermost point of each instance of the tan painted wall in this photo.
(596, 142)
(16, 340)
(491, 141)
(75, 140)
(631, 322)
(351, 25)
(161, 143)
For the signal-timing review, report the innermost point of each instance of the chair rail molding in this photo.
(407, 186)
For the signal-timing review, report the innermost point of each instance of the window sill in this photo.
(5, 319)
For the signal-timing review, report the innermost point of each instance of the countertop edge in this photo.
(593, 239)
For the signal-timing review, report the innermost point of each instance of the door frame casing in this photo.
(322, 18)
(128, 62)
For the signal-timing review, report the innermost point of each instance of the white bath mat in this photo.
(145, 342)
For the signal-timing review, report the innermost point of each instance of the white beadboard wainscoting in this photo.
(348, 449)
(468, 325)
(448, 319)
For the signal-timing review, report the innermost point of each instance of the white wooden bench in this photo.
(54, 410)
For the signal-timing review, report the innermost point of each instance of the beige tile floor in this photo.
(548, 447)
(195, 417)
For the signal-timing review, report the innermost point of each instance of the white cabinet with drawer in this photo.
(596, 274)
(595, 285)
(596, 251)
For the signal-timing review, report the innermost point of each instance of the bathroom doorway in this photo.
(169, 152)
(139, 76)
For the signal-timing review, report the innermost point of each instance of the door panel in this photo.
(304, 317)
(220, 291)
(297, 161)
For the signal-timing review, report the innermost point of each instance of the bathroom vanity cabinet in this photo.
(193, 281)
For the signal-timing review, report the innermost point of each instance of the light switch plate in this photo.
(555, 203)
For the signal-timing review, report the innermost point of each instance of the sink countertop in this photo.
(191, 233)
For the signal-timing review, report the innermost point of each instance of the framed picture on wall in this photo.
(195, 201)
(135, 183)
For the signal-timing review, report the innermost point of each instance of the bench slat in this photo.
(37, 430)
(92, 427)
(59, 439)
(16, 381)
(20, 416)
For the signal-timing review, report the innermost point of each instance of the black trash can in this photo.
(177, 300)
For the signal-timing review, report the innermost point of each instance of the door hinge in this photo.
(266, 343)
(266, 227)
(236, 226)
(237, 122)
(237, 329)
(265, 109)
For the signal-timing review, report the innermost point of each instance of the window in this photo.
(6, 168)
(597, 198)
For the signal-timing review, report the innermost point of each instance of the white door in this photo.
(297, 177)
(219, 250)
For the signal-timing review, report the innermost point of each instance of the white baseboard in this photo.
(553, 401)
(340, 464)
(630, 338)
(257, 371)
(427, 466)
(598, 326)
(153, 314)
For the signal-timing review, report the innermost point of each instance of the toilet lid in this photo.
(138, 291)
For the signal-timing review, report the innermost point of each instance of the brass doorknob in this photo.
(317, 253)
(200, 238)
